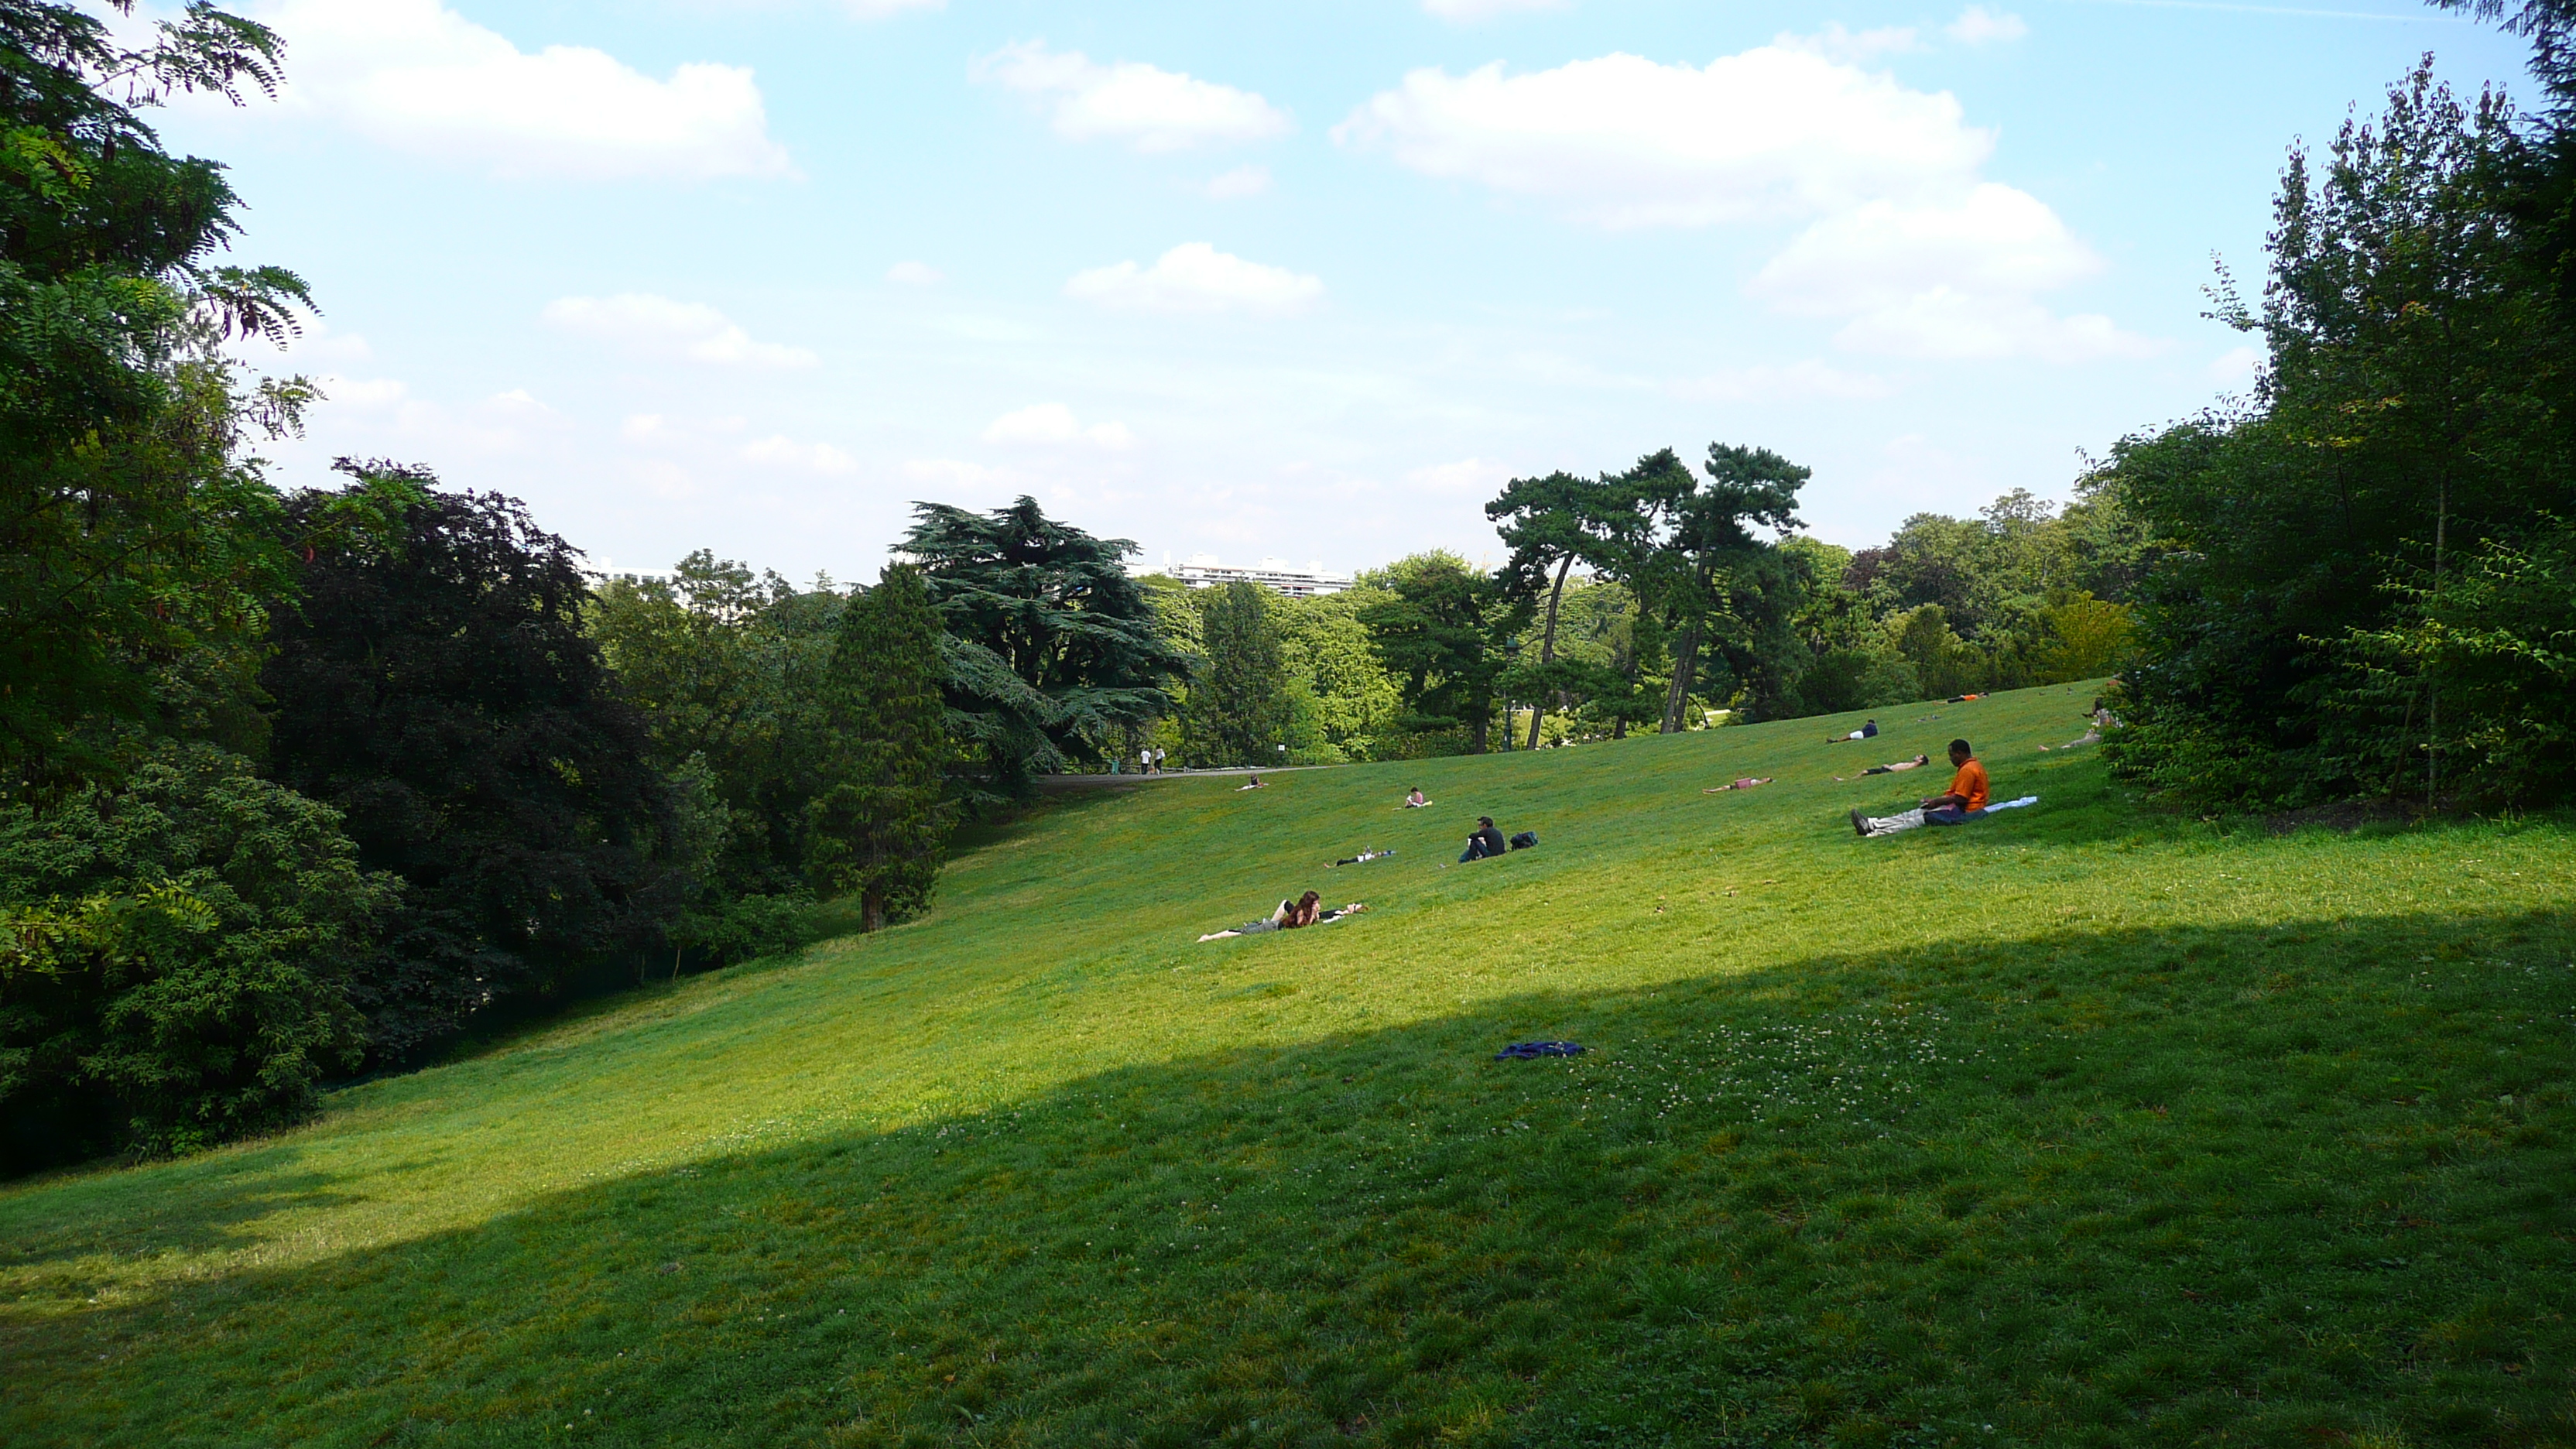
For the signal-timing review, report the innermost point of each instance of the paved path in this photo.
(1086, 782)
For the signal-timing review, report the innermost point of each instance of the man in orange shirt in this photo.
(1961, 802)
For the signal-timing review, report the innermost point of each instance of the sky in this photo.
(1305, 280)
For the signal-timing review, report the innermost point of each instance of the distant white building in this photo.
(1204, 572)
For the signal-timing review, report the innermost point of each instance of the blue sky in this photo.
(1299, 280)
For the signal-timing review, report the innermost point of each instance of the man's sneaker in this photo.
(1860, 824)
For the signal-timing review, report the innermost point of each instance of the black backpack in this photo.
(1525, 840)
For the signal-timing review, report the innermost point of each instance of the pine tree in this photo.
(1238, 707)
(880, 827)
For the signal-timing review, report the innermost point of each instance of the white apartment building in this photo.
(1204, 572)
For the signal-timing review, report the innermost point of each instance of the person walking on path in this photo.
(1961, 803)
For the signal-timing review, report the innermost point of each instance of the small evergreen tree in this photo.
(880, 827)
(1238, 710)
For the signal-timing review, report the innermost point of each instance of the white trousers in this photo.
(1890, 824)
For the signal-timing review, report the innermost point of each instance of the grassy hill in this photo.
(2075, 1126)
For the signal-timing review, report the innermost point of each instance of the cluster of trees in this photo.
(1649, 597)
(2371, 584)
(299, 785)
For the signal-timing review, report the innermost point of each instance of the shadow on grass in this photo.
(2286, 1186)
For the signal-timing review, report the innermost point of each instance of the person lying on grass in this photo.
(1867, 731)
(1413, 799)
(1918, 762)
(1955, 806)
(1362, 858)
(1306, 910)
(1485, 843)
(1255, 785)
(1747, 783)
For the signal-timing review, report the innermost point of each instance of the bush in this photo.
(174, 960)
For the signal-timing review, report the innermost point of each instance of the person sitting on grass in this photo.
(1867, 731)
(1956, 806)
(1413, 799)
(1485, 843)
(1255, 785)
(1747, 783)
(1306, 910)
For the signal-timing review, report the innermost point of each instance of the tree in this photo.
(880, 828)
(1348, 698)
(2412, 415)
(132, 537)
(176, 954)
(1436, 636)
(442, 695)
(1054, 653)
(1238, 708)
(1551, 523)
(1700, 564)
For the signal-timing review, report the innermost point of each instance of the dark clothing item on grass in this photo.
(1524, 1051)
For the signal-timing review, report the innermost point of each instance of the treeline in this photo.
(2370, 584)
(1649, 598)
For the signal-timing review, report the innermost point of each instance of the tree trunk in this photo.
(871, 911)
(2433, 723)
(1547, 643)
(1685, 667)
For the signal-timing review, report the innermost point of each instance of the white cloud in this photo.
(1469, 11)
(915, 274)
(779, 451)
(363, 392)
(659, 327)
(1904, 242)
(1150, 108)
(1855, 47)
(1241, 181)
(1053, 424)
(881, 9)
(1467, 475)
(1766, 382)
(1978, 25)
(1625, 142)
(2238, 366)
(1196, 277)
(417, 76)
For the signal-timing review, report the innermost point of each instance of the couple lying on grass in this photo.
(1306, 910)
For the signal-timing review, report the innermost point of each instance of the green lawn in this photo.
(2080, 1125)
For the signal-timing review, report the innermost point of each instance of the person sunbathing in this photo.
(1747, 783)
(1893, 767)
(1255, 785)
(1413, 799)
(1306, 910)
(1957, 805)
(1867, 731)
(1363, 858)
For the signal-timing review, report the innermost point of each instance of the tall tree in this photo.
(1237, 712)
(441, 694)
(1438, 635)
(1551, 524)
(1704, 568)
(880, 827)
(132, 536)
(1055, 652)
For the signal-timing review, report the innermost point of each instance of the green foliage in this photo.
(1055, 654)
(2089, 638)
(175, 959)
(442, 694)
(1239, 710)
(2414, 416)
(879, 828)
(131, 534)
(1435, 632)
(1342, 700)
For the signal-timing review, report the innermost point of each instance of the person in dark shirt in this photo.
(1485, 843)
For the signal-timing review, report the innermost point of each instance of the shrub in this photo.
(174, 959)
